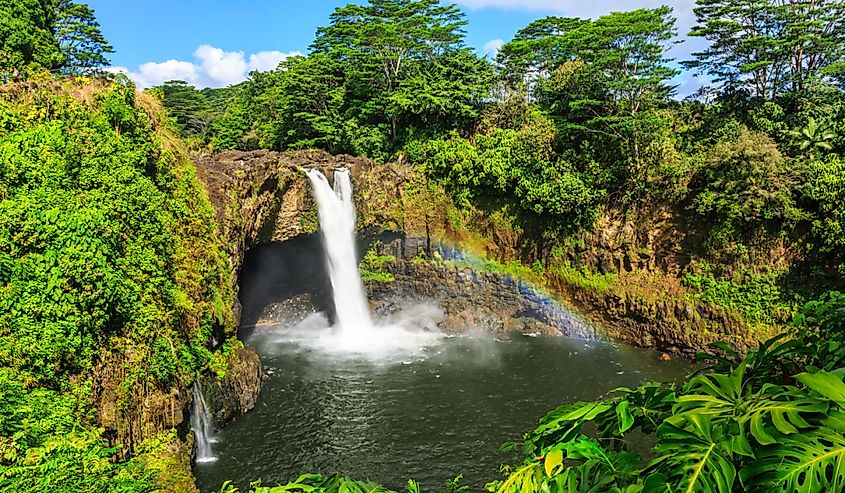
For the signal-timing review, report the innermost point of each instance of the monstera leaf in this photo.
(645, 406)
(767, 363)
(828, 384)
(800, 463)
(811, 461)
(694, 455)
(316, 483)
(564, 424)
(729, 400)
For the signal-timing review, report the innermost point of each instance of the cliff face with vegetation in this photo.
(263, 196)
(626, 277)
(716, 215)
(115, 290)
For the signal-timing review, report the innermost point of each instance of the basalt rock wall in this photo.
(263, 196)
(471, 300)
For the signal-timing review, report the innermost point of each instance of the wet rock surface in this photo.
(263, 196)
(237, 392)
(472, 300)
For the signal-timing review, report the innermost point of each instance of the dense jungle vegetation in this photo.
(113, 278)
(112, 274)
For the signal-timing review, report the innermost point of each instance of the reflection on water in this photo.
(429, 415)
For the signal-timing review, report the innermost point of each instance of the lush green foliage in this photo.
(745, 187)
(108, 253)
(757, 297)
(826, 187)
(26, 37)
(59, 35)
(768, 421)
(517, 164)
(372, 265)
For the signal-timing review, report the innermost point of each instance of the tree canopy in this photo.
(54, 35)
(768, 46)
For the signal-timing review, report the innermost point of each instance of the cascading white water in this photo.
(337, 223)
(201, 424)
(353, 334)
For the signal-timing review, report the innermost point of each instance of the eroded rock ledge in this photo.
(237, 392)
(485, 301)
(263, 196)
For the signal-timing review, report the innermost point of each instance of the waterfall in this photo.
(337, 223)
(201, 424)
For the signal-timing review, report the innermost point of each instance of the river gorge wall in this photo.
(262, 196)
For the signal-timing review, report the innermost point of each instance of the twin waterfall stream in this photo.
(353, 324)
(337, 222)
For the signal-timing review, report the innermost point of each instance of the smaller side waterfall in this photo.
(201, 424)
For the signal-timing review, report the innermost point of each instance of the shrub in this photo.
(744, 190)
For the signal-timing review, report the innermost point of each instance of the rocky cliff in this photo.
(236, 393)
(263, 196)
(487, 301)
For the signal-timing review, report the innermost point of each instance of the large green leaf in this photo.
(800, 463)
(695, 455)
(564, 424)
(827, 384)
(730, 401)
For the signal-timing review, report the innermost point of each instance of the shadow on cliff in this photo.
(276, 272)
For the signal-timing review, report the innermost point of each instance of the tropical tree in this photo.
(603, 82)
(80, 40)
(538, 49)
(624, 51)
(386, 47)
(26, 35)
(304, 104)
(814, 136)
(187, 106)
(769, 46)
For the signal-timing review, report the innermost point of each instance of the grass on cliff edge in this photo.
(112, 279)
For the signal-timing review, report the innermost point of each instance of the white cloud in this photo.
(221, 67)
(268, 60)
(492, 47)
(212, 67)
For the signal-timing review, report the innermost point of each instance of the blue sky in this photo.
(215, 43)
